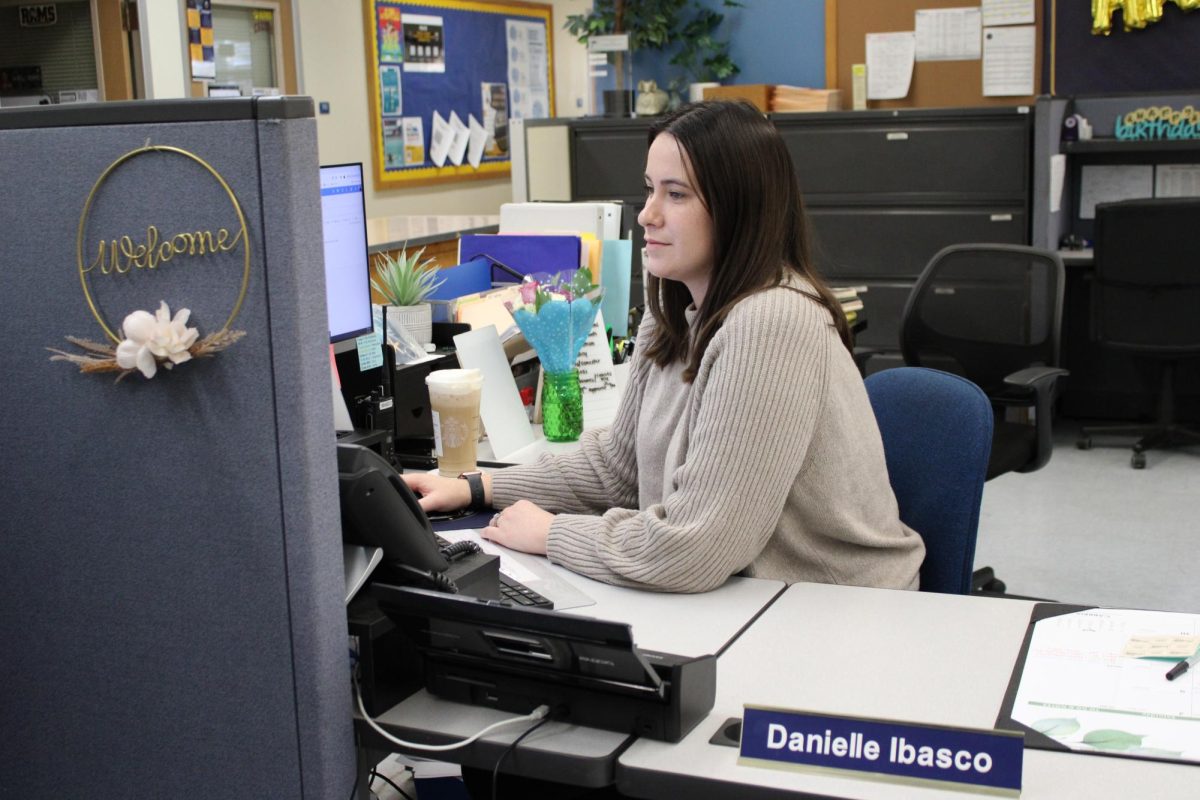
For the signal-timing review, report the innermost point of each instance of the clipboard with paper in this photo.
(1093, 681)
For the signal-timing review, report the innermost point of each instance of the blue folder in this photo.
(526, 254)
(463, 279)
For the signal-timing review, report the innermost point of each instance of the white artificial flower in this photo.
(149, 339)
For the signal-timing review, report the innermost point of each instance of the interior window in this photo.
(47, 53)
(244, 39)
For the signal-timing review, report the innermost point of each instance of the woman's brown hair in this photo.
(747, 181)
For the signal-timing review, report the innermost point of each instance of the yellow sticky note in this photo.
(1164, 646)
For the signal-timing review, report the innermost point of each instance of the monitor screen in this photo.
(347, 268)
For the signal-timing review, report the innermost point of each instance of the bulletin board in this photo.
(935, 84)
(491, 61)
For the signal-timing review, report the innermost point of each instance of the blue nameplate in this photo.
(984, 760)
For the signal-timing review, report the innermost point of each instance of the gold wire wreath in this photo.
(101, 357)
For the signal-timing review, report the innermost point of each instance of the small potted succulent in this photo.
(406, 283)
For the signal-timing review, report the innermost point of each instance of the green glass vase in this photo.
(562, 406)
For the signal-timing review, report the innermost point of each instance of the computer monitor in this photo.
(347, 267)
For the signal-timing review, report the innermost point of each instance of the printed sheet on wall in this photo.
(446, 76)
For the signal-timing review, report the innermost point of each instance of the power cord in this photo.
(509, 749)
(538, 713)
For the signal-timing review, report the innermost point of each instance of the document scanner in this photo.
(515, 659)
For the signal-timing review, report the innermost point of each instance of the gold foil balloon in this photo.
(1134, 13)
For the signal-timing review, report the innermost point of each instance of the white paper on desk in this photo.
(948, 34)
(1108, 184)
(1058, 174)
(1077, 680)
(458, 145)
(533, 571)
(1007, 12)
(600, 394)
(890, 59)
(1008, 60)
(500, 405)
(441, 136)
(477, 137)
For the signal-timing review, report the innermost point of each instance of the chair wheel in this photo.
(1138, 460)
(1084, 443)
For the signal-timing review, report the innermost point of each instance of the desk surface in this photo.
(696, 624)
(909, 656)
(1077, 258)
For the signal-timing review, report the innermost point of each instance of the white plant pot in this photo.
(416, 320)
(696, 90)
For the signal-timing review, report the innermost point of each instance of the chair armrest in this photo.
(1035, 377)
(1043, 381)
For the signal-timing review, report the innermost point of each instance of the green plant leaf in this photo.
(1111, 739)
(407, 280)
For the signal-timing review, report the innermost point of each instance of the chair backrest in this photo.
(984, 311)
(937, 435)
(1147, 283)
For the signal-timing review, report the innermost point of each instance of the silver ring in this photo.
(495, 521)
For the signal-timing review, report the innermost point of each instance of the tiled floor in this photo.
(1087, 528)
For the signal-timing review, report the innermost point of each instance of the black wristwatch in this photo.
(475, 481)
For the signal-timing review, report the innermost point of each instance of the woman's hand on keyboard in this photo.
(436, 493)
(522, 526)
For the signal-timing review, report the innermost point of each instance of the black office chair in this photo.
(992, 313)
(1145, 301)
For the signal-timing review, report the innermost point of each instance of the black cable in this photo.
(376, 774)
(509, 749)
(459, 549)
(505, 267)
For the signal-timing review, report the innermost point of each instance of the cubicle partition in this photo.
(1105, 384)
(170, 560)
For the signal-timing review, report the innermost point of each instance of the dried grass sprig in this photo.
(103, 357)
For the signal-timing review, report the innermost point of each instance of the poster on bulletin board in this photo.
(445, 77)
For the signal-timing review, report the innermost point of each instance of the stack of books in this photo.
(851, 303)
(798, 98)
(772, 97)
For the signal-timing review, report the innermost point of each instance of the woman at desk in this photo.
(744, 442)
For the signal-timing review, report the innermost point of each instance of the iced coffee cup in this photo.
(454, 400)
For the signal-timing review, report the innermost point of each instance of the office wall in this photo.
(333, 65)
(772, 41)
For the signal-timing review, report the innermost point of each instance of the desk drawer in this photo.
(906, 158)
(898, 242)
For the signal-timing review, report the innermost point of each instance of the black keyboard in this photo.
(511, 591)
(521, 595)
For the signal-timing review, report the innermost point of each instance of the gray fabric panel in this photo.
(308, 463)
(145, 609)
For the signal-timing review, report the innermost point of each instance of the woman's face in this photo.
(679, 229)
